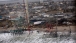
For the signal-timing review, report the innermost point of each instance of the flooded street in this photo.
(37, 21)
(35, 37)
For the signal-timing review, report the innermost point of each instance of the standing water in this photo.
(34, 37)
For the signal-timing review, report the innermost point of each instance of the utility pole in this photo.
(27, 14)
(26, 10)
(56, 24)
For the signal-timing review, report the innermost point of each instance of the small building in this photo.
(38, 7)
(70, 7)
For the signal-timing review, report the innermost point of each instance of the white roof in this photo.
(38, 22)
(38, 7)
(70, 7)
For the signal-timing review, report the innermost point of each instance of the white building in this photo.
(38, 7)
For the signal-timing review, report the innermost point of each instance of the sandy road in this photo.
(59, 28)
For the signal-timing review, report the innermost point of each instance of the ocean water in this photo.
(35, 37)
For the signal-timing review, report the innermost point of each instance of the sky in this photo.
(4, 0)
(13, 1)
